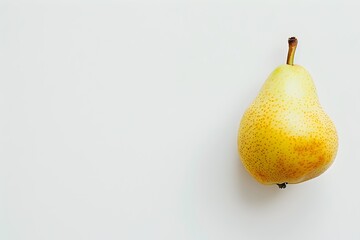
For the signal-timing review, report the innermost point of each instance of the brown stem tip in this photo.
(293, 42)
(291, 53)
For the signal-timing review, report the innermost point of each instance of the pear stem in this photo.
(291, 53)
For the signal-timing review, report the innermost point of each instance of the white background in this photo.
(119, 120)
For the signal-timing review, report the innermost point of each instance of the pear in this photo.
(285, 136)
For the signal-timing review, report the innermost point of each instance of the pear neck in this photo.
(291, 53)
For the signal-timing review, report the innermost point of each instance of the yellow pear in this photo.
(285, 136)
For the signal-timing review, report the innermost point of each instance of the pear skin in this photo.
(285, 136)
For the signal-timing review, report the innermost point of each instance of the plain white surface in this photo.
(119, 120)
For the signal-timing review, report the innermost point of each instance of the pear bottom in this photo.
(274, 151)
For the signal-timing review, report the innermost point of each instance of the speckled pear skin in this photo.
(285, 136)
